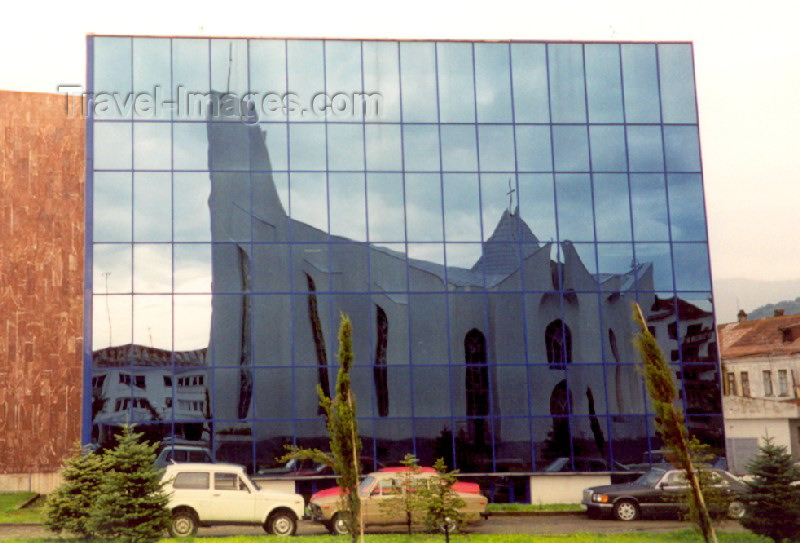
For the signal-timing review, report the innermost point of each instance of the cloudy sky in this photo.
(746, 62)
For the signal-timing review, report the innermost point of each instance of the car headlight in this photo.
(600, 498)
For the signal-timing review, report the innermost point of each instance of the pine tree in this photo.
(408, 499)
(131, 504)
(772, 502)
(68, 507)
(440, 503)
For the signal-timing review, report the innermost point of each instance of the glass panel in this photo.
(343, 79)
(676, 67)
(386, 207)
(113, 207)
(459, 152)
(189, 146)
(614, 259)
(421, 147)
(431, 391)
(529, 66)
(575, 221)
(644, 148)
(512, 446)
(649, 204)
(571, 149)
(190, 76)
(428, 316)
(306, 77)
(112, 320)
(434, 440)
(192, 267)
(152, 206)
(612, 207)
(682, 148)
(499, 198)
(512, 390)
(424, 207)
(268, 77)
(567, 93)
(192, 220)
(691, 266)
(464, 256)
(456, 85)
(152, 268)
(496, 145)
(151, 78)
(640, 83)
(384, 147)
(113, 85)
(533, 148)
(307, 146)
(393, 440)
(603, 83)
(658, 256)
(345, 147)
(276, 146)
(686, 209)
(309, 198)
(347, 201)
(461, 208)
(493, 82)
(112, 146)
(382, 76)
(152, 320)
(608, 148)
(111, 271)
(418, 81)
(537, 204)
(272, 393)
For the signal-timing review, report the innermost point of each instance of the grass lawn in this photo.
(674, 537)
(527, 507)
(9, 514)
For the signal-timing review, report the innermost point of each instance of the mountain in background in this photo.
(755, 297)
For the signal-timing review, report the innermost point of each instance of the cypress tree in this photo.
(131, 504)
(772, 502)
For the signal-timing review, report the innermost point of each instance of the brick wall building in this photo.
(41, 286)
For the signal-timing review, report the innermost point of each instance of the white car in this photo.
(213, 494)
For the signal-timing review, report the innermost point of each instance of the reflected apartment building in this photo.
(486, 231)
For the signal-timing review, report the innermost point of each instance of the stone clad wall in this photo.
(41, 282)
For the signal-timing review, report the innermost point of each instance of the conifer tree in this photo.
(670, 422)
(772, 502)
(440, 503)
(131, 504)
(408, 498)
(67, 508)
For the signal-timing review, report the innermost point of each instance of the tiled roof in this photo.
(770, 336)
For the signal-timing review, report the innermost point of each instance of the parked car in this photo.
(214, 494)
(656, 492)
(387, 484)
(181, 454)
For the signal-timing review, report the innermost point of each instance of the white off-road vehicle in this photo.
(214, 494)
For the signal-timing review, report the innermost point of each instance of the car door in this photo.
(385, 503)
(230, 499)
(671, 489)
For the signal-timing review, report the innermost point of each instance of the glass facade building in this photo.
(485, 213)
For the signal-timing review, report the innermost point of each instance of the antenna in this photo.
(230, 63)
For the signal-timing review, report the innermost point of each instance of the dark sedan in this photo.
(657, 491)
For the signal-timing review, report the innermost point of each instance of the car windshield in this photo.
(650, 478)
(365, 484)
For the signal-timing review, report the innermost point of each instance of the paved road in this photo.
(565, 524)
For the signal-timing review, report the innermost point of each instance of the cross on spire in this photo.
(510, 196)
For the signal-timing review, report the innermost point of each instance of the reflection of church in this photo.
(470, 328)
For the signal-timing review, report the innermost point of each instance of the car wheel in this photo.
(184, 524)
(736, 510)
(281, 523)
(626, 510)
(338, 525)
